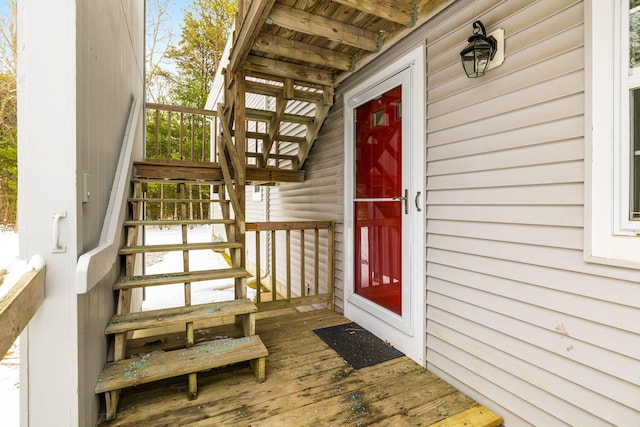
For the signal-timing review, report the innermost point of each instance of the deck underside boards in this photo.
(307, 384)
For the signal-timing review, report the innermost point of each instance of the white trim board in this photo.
(408, 334)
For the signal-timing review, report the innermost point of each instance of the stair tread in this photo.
(169, 278)
(176, 200)
(169, 316)
(154, 367)
(179, 247)
(178, 222)
(176, 181)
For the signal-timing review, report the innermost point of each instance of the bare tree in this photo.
(159, 37)
(8, 113)
(8, 39)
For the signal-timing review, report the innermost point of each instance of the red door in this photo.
(379, 200)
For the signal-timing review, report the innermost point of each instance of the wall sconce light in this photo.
(481, 50)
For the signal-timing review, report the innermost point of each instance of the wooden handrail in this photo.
(95, 264)
(180, 133)
(314, 285)
(19, 305)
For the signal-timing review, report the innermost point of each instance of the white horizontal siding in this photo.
(515, 315)
(318, 198)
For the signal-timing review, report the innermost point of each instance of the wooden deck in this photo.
(307, 384)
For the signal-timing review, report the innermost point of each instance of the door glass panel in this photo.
(379, 146)
(378, 249)
(378, 220)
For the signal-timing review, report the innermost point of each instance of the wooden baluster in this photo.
(258, 273)
(157, 148)
(288, 264)
(273, 266)
(181, 141)
(330, 265)
(169, 136)
(316, 260)
(193, 144)
(303, 285)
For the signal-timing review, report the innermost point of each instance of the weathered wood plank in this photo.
(168, 316)
(301, 73)
(308, 23)
(308, 384)
(247, 28)
(18, 306)
(209, 173)
(169, 278)
(280, 46)
(284, 225)
(131, 372)
(253, 113)
(178, 109)
(216, 246)
(399, 11)
(166, 222)
(478, 416)
(267, 89)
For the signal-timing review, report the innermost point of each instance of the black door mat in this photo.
(357, 346)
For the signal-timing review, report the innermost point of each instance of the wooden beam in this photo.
(253, 113)
(236, 160)
(255, 174)
(427, 9)
(273, 90)
(274, 126)
(19, 305)
(246, 33)
(312, 132)
(316, 25)
(398, 11)
(279, 137)
(288, 70)
(279, 46)
(211, 172)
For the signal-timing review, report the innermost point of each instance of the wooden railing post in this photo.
(284, 296)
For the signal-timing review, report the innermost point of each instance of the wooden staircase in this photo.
(127, 370)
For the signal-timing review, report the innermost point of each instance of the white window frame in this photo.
(610, 236)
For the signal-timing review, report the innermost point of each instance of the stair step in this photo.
(216, 246)
(274, 156)
(257, 114)
(279, 137)
(165, 200)
(154, 367)
(162, 222)
(169, 316)
(169, 278)
(175, 181)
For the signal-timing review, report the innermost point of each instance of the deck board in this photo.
(307, 384)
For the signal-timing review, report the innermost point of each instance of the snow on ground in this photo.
(10, 364)
(156, 296)
(171, 262)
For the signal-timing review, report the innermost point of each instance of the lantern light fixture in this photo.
(481, 50)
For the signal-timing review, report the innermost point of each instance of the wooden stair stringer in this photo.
(191, 358)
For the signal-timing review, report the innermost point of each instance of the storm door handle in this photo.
(405, 199)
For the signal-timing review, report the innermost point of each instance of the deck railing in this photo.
(19, 305)
(179, 133)
(301, 267)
